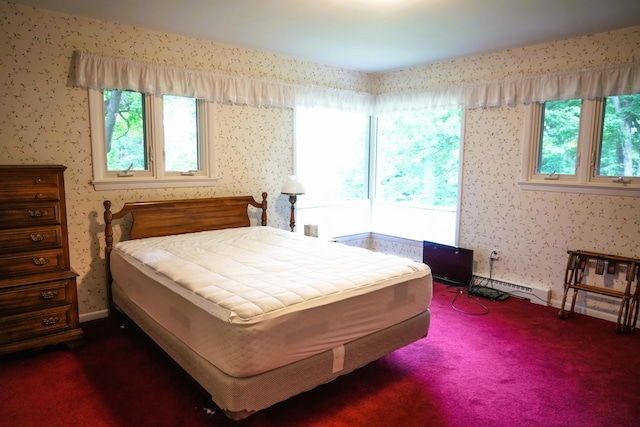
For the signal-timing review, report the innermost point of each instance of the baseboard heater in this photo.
(536, 295)
(453, 266)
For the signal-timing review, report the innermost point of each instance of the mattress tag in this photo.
(338, 359)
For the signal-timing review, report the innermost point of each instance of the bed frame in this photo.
(238, 397)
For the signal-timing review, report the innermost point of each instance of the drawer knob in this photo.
(48, 321)
(41, 260)
(48, 295)
(37, 181)
(38, 237)
(36, 213)
(38, 196)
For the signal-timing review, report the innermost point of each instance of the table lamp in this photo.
(292, 188)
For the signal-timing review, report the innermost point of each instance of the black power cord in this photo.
(465, 291)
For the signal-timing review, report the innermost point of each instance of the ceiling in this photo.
(365, 35)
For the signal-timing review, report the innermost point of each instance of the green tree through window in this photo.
(560, 130)
(620, 148)
(124, 130)
(418, 156)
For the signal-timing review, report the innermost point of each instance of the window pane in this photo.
(180, 134)
(620, 147)
(332, 150)
(418, 156)
(124, 130)
(559, 139)
(418, 160)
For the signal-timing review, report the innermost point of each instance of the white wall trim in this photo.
(586, 311)
(94, 315)
(351, 237)
(403, 240)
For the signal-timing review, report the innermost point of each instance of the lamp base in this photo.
(292, 222)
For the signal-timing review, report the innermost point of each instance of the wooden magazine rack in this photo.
(580, 261)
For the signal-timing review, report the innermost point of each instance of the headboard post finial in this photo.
(264, 208)
(108, 217)
(108, 237)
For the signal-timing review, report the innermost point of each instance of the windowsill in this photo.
(396, 239)
(564, 187)
(377, 236)
(133, 183)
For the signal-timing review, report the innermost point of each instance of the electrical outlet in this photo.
(494, 255)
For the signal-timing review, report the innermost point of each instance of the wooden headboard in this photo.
(162, 218)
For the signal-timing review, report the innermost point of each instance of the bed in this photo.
(253, 313)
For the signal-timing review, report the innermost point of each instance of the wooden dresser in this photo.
(38, 297)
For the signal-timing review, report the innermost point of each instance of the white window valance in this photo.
(586, 83)
(100, 72)
(314, 96)
(97, 71)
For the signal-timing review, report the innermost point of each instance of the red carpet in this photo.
(516, 366)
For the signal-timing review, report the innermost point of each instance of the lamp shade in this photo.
(292, 186)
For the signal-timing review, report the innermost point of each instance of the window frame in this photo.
(155, 176)
(589, 140)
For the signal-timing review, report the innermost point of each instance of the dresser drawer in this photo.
(29, 215)
(32, 262)
(28, 239)
(27, 325)
(29, 186)
(33, 297)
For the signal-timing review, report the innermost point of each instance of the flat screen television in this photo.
(449, 265)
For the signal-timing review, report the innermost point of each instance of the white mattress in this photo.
(253, 299)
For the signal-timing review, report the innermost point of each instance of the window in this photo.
(332, 154)
(559, 141)
(124, 131)
(146, 141)
(180, 134)
(415, 162)
(332, 162)
(590, 146)
(417, 174)
(618, 154)
(418, 158)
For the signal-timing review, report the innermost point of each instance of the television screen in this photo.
(449, 265)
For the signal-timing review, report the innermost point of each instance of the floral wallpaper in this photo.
(531, 230)
(615, 47)
(383, 243)
(45, 120)
(392, 245)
